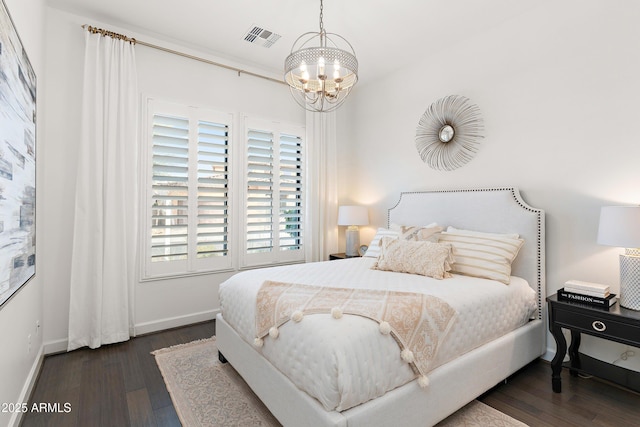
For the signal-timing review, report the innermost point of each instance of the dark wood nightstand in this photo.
(617, 324)
(341, 255)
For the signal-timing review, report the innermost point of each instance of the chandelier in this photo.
(321, 70)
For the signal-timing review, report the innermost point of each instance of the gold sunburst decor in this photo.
(449, 133)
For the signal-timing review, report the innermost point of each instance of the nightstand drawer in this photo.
(596, 325)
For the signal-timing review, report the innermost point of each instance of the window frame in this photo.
(237, 259)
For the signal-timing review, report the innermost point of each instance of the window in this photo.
(188, 199)
(274, 193)
(204, 199)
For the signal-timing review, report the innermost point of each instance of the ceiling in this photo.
(386, 35)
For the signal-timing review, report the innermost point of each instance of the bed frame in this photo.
(453, 385)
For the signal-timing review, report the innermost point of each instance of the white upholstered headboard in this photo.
(496, 210)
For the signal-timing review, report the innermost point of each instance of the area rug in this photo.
(206, 392)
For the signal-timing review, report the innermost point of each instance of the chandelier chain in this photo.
(321, 23)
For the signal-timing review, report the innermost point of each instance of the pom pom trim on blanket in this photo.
(418, 336)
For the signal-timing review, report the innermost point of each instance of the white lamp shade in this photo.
(620, 226)
(353, 215)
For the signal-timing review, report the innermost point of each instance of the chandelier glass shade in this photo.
(321, 70)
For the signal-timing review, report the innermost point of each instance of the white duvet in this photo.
(348, 362)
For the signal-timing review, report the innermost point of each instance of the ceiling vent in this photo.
(260, 36)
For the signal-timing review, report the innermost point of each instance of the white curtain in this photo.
(322, 197)
(106, 214)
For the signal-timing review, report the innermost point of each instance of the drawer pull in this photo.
(599, 326)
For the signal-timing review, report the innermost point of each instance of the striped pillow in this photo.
(374, 247)
(485, 255)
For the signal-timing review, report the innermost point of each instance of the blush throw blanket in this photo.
(418, 322)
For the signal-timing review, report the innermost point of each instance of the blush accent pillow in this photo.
(415, 257)
(428, 232)
(480, 254)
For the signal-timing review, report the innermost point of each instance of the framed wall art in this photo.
(17, 161)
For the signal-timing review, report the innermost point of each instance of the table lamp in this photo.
(620, 226)
(352, 217)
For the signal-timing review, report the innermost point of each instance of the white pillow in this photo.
(374, 247)
(480, 254)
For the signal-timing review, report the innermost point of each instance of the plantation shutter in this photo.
(291, 192)
(274, 193)
(170, 188)
(260, 191)
(189, 191)
(213, 190)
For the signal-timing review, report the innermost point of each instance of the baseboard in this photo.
(27, 389)
(57, 346)
(174, 322)
(60, 346)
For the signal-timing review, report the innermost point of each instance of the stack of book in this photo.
(589, 293)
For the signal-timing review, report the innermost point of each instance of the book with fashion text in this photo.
(587, 299)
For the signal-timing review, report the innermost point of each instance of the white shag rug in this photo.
(206, 392)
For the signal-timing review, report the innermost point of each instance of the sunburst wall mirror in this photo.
(449, 133)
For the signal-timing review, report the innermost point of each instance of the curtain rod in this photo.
(175, 52)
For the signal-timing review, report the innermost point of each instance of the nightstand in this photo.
(341, 255)
(617, 324)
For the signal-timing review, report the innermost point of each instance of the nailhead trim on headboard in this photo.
(518, 199)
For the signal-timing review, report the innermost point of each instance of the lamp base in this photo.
(630, 282)
(353, 240)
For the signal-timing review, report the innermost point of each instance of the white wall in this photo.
(559, 92)
(162, 303)
(19, 361)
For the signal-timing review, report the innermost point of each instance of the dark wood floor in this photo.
(117, 385)
(120, 385)
(527, 396)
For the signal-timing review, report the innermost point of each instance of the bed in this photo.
(338, 369)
